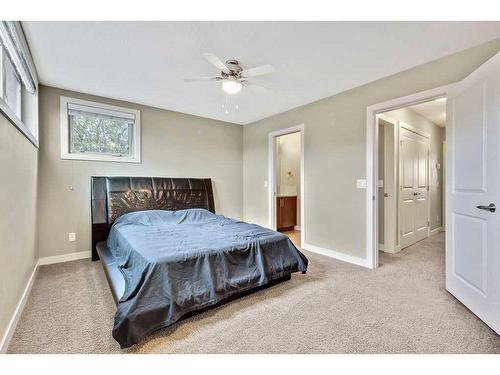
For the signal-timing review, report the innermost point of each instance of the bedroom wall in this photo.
(436, 134)
(173, 145)
(335, 150)
(18, 207)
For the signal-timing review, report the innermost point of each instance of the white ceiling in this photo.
(145, 62)
(434, 111)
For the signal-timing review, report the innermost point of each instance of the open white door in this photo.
(472, 187)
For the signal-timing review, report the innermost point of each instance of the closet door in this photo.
(413, 197)
(422, 188)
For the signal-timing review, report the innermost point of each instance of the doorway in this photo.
(410, 174)
(286, 182)
(471, 253)
(384, 116)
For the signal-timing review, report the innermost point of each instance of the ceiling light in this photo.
(442, 99)
(231, 87)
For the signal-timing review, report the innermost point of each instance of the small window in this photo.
(99, 132)
(18, 81)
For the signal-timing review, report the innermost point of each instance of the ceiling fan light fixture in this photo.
(232, 87)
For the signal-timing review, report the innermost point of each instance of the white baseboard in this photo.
(388, 250)
(436, 231)
(11, 327)
(337, 255)
(297, 227)
(64, 258)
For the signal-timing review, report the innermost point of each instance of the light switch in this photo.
(72, 237)
(361, 184)
(380, 183)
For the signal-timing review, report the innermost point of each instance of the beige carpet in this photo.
(401, 307)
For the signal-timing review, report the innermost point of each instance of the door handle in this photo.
(491, 207)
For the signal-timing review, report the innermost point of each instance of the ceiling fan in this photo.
(232, 75)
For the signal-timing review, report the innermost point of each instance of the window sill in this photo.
(16, 121)
(101, 158)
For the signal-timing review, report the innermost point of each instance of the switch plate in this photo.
(361, 184)
(72, 237)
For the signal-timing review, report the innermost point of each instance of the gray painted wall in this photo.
(335, 150)
(173, 145)
(18, 208)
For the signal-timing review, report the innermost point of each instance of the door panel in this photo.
(407, 162)
(423, 151)
(407, 225)
(472, 234)
(470, 245)
(421, 213)
(469, 137)
(421, 219)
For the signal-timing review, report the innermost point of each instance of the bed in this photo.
(167, 255)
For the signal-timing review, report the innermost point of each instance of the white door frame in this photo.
(272, 179)
(372, 161)
(391, 240)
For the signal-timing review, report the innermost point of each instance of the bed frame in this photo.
(115, 196)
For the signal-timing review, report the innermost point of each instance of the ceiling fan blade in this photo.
(255, 87)
(197, 79)
(215, 61)
(258, 71)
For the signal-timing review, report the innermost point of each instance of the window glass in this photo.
(12, 95)
(99, 133)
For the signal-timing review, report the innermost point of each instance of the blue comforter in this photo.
(177, 262)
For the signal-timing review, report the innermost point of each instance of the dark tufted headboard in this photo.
(112, 197)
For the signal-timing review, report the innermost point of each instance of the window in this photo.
(12, 95)
(99, 132)
(18, 81)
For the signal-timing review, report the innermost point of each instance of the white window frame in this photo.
(64, 119)
(12, 39)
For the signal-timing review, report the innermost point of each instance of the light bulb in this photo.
(231, 87)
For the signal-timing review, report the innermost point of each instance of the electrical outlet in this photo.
(72, 237)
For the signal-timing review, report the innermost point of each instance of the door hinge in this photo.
(428, 223)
